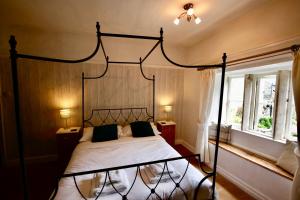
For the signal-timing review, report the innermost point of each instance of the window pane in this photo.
(235, 106)
(293, 124)
(264, 115)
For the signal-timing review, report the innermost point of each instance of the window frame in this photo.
(255, 101)
(288, 114)
(228, 81)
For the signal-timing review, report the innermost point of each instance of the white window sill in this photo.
(260, 135)
(259, 144)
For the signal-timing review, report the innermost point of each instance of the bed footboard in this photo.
(195, 158)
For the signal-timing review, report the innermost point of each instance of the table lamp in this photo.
(167, 109)
(65, 114)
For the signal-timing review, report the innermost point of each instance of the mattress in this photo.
(126, 151)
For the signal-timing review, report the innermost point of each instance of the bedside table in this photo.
(66, 140)
(167, 129)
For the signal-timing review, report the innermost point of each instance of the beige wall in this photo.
(47, 87)
(191, 107)
(272, 25)
(31, 40)
(269, 25)
(7, 110)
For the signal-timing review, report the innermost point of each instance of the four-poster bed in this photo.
(127, 115)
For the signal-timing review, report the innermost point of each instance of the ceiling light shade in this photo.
(190, 11)
(176, 21)
(198, 20)
(189, 14)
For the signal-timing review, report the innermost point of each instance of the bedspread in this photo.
(126, 151)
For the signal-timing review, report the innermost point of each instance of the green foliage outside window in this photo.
(294, 124)
(294, 134)
(265, 122)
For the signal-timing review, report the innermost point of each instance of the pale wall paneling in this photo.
(7, 109)
(47, 87)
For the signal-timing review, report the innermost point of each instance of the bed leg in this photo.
(14, 71)
(219, 125)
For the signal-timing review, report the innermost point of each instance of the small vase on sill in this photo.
(295, 194)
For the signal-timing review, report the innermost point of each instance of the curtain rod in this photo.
(261, 56)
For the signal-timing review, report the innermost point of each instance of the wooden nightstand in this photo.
(66, 141)
(167, 130)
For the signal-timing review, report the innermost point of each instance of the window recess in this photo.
(261, 102)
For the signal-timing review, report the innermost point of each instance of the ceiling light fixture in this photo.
(189, 13)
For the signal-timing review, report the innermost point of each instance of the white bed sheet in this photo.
(125, 151)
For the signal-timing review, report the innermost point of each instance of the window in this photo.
(260, 100)
(264, 101)
(235, 101)
(291, 125)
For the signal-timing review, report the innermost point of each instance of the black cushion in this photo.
(141, 129)
(105, 133)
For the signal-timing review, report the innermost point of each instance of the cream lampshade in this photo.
(65, 114)
(168, 109)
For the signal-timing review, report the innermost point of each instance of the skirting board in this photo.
(190, 147)
(242, 185)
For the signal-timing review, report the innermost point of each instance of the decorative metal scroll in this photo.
(118, 116)
(150, 188)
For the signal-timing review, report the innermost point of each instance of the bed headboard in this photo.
(101, 116)
(117, 115)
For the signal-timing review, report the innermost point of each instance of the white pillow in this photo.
(156, 132)
(287, 159)
(88, 133)
(119, 131)
(126, 131)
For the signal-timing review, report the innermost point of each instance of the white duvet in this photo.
(125, 151)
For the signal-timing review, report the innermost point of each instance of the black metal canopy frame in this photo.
(14, 55)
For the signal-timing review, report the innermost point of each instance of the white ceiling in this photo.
(143, 17)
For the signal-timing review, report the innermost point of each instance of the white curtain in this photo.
(295, 192)
(207, 79)
(296, 88)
